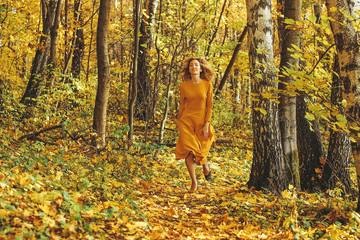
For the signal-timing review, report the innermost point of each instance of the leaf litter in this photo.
(60, 192)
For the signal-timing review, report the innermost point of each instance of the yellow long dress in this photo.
(196, 103)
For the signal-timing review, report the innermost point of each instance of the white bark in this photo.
(268, 168)
(349, 60)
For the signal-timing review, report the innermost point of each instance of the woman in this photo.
(196, 135)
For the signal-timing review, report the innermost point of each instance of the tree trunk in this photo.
(1, 97)
(268, 167)
(79, 43)
(143, 101)
(53, 45)
(337, 165)
(66, 33)
(310, 148)
(287, 107)
(167, 105)
(346, 39)
(40, 62)
(133, 83)
(90, 42)
(102, 94)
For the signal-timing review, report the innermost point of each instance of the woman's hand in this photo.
(206, 130)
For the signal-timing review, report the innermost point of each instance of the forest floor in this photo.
(67, 191)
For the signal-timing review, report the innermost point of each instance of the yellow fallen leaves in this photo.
(80, 199)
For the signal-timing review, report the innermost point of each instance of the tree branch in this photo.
(322, 56)
(232, 61)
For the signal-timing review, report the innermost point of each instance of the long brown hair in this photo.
(207, 73)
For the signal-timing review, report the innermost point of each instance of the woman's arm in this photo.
(209, 107)
(206, 130)
(209, 103)
(182, 105)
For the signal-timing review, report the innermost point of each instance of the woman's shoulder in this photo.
(208, 83)
(184, 83)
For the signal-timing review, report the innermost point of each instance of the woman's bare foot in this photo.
(193, 187)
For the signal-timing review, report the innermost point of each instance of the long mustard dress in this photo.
(196, 103)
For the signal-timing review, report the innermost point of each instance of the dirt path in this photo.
(211, 213)
(225, 208)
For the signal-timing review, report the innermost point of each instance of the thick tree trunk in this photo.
(102, 94)
(346, 39)
(336, 169)
(143, 102)
(40, 62)
(268, 167)
(310, 148)
(287, 107)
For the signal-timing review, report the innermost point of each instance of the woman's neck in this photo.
(195, 79)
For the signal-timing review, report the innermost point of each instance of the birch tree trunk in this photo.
(287, 106)
(268, 167)
(144, 101)
(346, 39)
(103, 88)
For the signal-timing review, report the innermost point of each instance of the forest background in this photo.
(81, 161)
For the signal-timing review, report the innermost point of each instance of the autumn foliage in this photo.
(54, 184)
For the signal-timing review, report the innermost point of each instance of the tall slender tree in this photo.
(213, 36)
(1, 96)
(287, 106)
(143, 101)
(42, 55)
(79, 42)
(268, 167)
(232, 61)
(103, 88)
(133, 83)
(52, 64)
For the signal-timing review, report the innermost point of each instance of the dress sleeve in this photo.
(182, 101)
(209, 103)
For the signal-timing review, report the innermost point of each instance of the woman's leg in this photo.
(190, 164)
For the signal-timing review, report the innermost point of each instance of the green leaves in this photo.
(289, 21)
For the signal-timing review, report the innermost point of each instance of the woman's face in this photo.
(195, 67)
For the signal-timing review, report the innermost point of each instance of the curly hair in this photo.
(207, 73)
